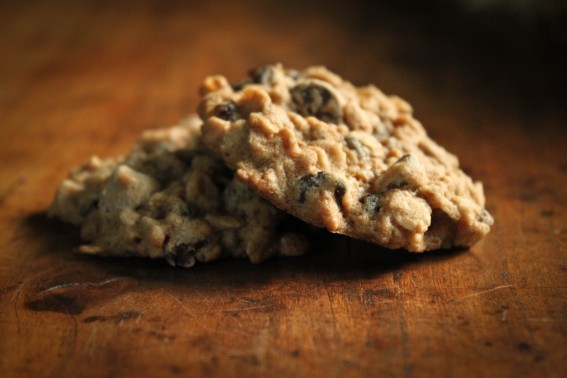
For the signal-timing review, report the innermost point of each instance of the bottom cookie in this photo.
(171, 198)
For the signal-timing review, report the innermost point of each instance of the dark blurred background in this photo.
(503, 53)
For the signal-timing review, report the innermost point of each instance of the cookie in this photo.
(350, 159)
(172, 198)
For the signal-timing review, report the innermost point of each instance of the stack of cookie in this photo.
(267, 158)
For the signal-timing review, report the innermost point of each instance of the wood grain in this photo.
(82, 79)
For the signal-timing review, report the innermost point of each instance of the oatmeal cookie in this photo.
(350, 159)
(172, 198)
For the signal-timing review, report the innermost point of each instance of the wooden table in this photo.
(77, 80)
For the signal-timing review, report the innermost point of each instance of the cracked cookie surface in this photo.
(172, 198)
(350, 159)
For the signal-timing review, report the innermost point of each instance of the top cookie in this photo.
(347, 158)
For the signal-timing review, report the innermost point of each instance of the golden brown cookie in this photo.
(350, 159)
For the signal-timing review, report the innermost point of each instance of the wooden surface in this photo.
(77, 80)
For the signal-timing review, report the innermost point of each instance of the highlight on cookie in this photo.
(350, 159)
